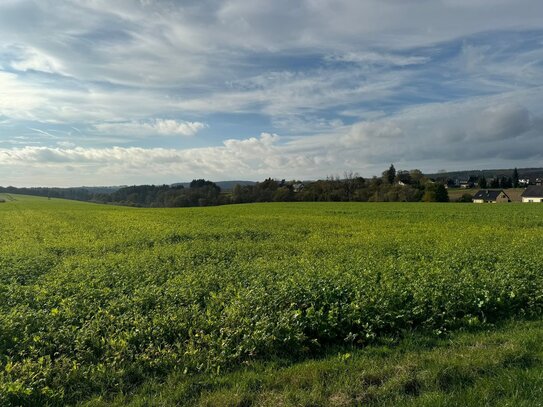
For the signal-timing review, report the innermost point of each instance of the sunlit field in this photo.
(97, 301)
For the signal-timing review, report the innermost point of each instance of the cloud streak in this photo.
(165, 127)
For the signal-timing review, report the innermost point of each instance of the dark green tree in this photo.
(201, 183)
(391, 174)
(441, 193)
(515, 178)
(506, 182)
(404, 176)
(482, 182)
(509, 182)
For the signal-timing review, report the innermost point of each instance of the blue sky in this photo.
(106, 93)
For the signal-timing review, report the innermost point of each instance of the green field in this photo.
(98, 302)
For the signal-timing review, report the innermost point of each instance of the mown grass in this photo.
(491, 367)
(97, 301)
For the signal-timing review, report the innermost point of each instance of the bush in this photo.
(465, 198)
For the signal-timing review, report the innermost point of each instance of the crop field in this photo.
(96, 300)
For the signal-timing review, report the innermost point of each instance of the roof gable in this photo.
(489, 194)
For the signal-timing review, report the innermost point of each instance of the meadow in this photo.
(97, 302)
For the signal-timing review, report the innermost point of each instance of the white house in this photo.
(534, 193)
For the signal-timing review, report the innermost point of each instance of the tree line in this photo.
(391, 186)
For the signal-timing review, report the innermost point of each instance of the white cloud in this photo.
(254, 157)
(372, 132)
(379, 58)
(18, 100)
(31, 59)
(66, 144)
(24, 98)
(166, 127)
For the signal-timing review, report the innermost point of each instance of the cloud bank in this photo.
(473, 132)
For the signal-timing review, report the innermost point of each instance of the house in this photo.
(465, 184)
(298, 186)
(524, 181)
(491, 196)
(534, 193)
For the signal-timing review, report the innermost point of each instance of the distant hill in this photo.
(224, 185)
(531, 173)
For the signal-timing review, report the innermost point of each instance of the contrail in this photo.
(44, 133)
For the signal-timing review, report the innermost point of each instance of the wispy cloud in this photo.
(43, 133)
(30, 59)
(378, 58)
(165, 127)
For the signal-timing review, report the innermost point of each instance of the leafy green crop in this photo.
(97, 299)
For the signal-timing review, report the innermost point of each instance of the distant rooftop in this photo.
(488, 194)
(533, 191)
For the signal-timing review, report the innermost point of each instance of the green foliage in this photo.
(95, 300)
(435, 193)
(498, 367)
(466, 198)
(200, 193)
(441, 193)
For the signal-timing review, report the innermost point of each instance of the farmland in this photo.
(97, 300)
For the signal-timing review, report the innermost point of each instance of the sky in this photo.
(98, 92)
